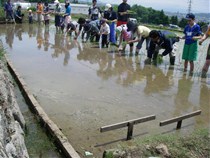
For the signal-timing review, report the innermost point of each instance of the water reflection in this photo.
(46, 43)
(19, 31)
(93, 84)
(156, 80)
(182, 101)
(204, 106)
(9, 37)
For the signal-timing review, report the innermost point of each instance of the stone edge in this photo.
(60, 139)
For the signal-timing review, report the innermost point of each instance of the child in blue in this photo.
(192, 33)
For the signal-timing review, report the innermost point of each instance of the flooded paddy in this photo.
(83, 88)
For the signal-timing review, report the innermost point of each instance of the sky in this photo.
(198, 6)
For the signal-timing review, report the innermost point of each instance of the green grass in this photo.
(195, 145)
(1, 50)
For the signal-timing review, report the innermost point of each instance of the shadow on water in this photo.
(83, 88)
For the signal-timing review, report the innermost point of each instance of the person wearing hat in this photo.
(71, 27)
(30, 16)
(192, 32)
(104, 32)
(207, 63)
(57, 13)
(142, 33)
(162, 40)
(125, 36)
(122, 11)
(111, 17)
(94, 11)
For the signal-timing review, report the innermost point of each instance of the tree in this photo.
(174, 20)
(183, 22)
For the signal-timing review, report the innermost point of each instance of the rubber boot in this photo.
(172, 60)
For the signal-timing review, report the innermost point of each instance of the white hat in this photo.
(107, 6)
(56, 2)
(118, 29)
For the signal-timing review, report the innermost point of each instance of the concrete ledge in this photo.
(60, 139)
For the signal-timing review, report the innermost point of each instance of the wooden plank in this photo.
(125, 123)
(180, 118)
(130, 131)
(179, 125)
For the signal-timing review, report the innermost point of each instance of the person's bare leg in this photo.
(185, 65)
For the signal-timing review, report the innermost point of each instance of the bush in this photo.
(32, 8)
(2, 14)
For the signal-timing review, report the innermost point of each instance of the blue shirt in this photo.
(190, 32)
(68, 10)
(8, 7)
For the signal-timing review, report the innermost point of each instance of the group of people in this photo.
(111, 26)
(16, 16)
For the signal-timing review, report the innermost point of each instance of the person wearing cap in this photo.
(111, 17)
(192, 32)
(142, 33)
(57, 13)
(104, 32)
(162, 40)
(94, 11)
(207, 63)
(122, 11)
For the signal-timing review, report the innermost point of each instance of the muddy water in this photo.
(83, 88)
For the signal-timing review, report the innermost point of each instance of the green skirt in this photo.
(190, 51)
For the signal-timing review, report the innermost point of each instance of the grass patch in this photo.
(2, 51)
(195, 145)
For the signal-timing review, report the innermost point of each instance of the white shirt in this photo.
(105, 29)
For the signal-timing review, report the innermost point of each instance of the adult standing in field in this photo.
(67, 14)
(192, 33)
(123, 14)
(94, 11)
(39, 11)
(111, 17)
(8, 10)
(46, 14)
(57, 14)
(207, 63)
